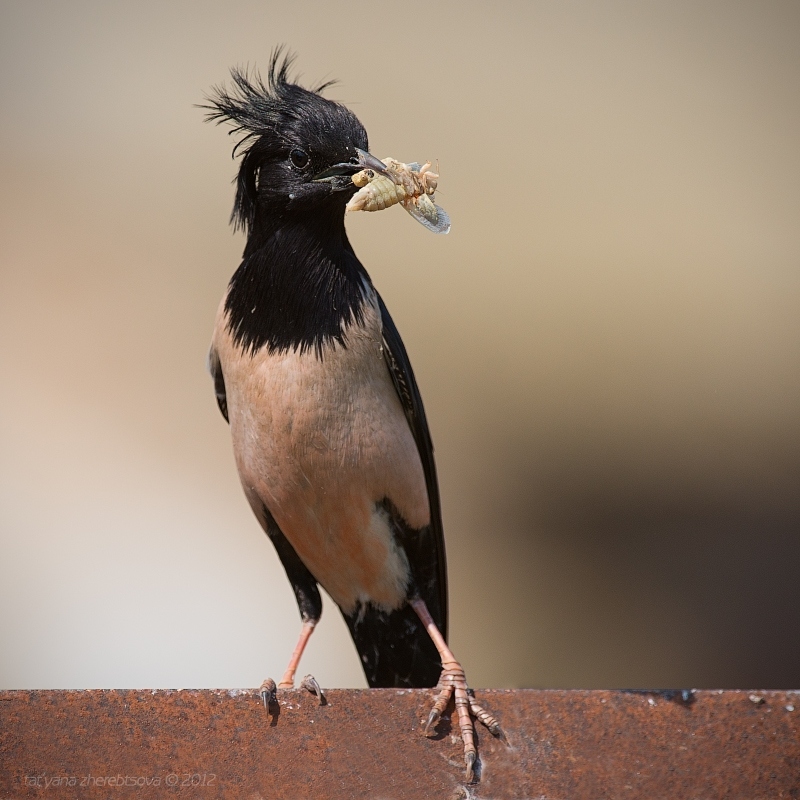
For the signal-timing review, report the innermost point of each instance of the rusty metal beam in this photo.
(367, 744)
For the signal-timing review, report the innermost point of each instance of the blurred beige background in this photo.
(608, 341)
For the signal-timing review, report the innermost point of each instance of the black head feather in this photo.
(300, 285)
(273, 118)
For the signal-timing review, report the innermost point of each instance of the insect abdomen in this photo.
(380, 193)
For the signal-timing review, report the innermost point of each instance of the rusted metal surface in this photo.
(367, 744)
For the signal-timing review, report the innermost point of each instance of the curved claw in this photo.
(469, 760)
(498, 733)
(433, 721)
(310, 683)
(268, 693)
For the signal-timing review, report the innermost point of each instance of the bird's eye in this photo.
(299, 158)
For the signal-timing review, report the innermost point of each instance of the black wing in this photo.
(215, 368)
(427, 558)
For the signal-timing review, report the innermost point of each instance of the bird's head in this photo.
(299, 149)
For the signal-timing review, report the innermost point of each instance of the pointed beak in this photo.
(361, 160)
(368, 161)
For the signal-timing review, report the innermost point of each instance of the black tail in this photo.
(395, 649)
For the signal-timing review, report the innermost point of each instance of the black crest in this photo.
(264, 114)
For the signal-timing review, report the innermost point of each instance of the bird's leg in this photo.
(287, 681)
(306, 592)
(453, 681)
(268, 688)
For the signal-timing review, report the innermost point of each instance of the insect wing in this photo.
(427, 213)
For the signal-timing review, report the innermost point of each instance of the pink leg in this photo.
(287, 681)
(268, 688)
(453, 681)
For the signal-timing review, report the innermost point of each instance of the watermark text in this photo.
(184, 779)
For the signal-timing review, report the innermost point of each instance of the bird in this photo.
(329, 432)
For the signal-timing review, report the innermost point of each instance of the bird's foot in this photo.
(268, 688)
(269, 691)
(310, 683)
(453, 682)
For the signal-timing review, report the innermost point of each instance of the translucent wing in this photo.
(427, 213)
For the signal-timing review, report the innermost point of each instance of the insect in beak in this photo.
(361, 160)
